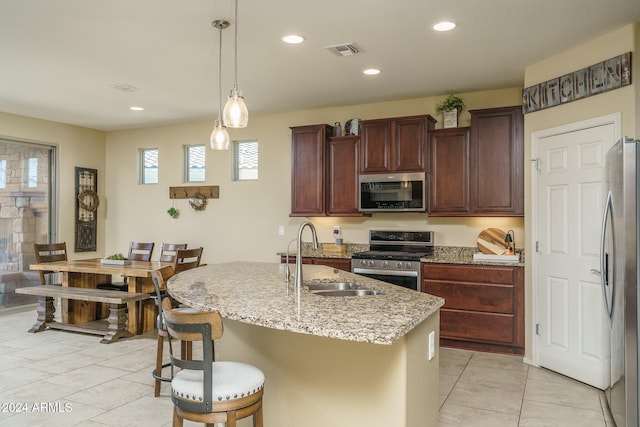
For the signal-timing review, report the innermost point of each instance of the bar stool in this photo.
(205, 391)
(160, 288)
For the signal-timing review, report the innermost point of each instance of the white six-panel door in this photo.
(572, 335)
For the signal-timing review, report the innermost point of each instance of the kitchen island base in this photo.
(316, 381)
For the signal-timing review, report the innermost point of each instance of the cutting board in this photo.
(491, 241)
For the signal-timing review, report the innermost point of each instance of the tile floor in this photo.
(482, 389)
(81, 382)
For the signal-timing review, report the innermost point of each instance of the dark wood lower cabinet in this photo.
(339, 263)
(484, 306)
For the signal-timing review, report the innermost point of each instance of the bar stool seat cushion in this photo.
(231, 380)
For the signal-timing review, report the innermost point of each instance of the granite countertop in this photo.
(464, 255)
(441, 254)
(308, 251)
(256, 293)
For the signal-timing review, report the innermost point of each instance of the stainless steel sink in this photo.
(330, 286)
(348, 293)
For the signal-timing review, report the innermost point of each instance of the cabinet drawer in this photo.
(473, 296)
(490, 327)
(466, 273)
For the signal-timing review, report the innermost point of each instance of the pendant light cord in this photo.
(220, 78)
(235, 47)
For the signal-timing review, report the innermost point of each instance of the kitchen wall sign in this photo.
(597, 78)
(87, 203)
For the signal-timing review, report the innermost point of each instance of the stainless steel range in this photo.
(394, 257)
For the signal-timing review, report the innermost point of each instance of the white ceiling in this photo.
(60, 60)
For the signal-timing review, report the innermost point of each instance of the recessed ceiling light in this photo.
(293, 39)
(371, 71)
(444, 26)
(134, 108)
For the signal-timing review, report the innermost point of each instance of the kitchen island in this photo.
(347, 361)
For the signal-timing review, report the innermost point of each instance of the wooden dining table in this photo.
(89, 273)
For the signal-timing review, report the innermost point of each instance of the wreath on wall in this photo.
(88, 200)
(198, 202)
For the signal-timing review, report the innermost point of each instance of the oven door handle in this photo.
(385, 272)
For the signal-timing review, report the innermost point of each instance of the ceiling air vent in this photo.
(124, 87)
(345, 49)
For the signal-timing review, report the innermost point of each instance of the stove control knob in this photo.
(407, 265)
(398, 264)
(371, 263)
(363, 263)
(385, 264)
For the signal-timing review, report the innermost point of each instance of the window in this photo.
(148, 166)
(3, 173)
(246, 160)
(32, 173)
(194, 163)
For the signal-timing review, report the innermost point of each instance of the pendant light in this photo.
(235, 113)
(220, 139)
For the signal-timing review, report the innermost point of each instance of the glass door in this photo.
(26, 214)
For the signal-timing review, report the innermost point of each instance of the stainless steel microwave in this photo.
(393, 192)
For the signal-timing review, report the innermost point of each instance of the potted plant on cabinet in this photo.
(451, 107)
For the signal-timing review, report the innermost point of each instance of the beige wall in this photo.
(76, 147)
(243, 223)
(623, 100)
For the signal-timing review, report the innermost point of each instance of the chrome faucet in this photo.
(287, 273)
(298, 279)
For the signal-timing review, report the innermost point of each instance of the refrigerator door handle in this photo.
(604, 259)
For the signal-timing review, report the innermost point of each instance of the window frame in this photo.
(186, 170)
(236, 160)
(141, 166)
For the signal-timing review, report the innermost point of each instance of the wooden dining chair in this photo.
(168, 251)
(49, 252)
(186, 259)
(206, 391)
(139, 251)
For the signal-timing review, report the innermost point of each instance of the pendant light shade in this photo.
(220, 139)
(235, 113)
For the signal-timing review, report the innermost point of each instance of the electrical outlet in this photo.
(432, 345)
(337, 231)
(281, 230)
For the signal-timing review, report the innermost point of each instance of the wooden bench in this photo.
(116, 322)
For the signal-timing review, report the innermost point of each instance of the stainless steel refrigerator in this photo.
(619, 274)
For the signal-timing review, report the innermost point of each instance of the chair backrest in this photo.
(190, 326)
(168, 251)
(190, 317)
(140, 251)
(187, 259)
(159, 283)
(49, 252)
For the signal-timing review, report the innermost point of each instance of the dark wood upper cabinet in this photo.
(395, 144)
(479, 171)
(308, 171)
(342, 180)
(324, 172)
(449, 171)
(497, 161)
